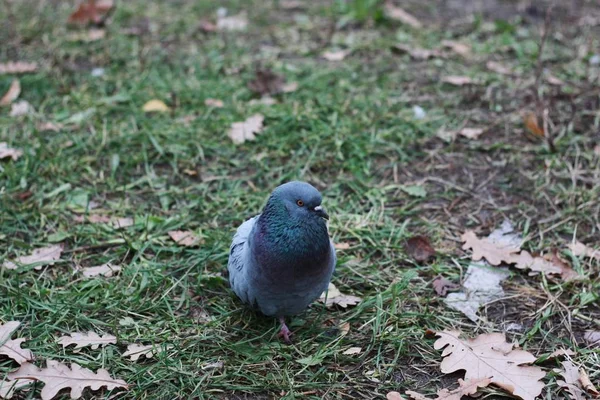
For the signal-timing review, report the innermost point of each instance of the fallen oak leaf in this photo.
(471, 133)
(17, 67)
(247, 130)
(394, 396)
(12, 347)
(8, 387)
(495, 253)
(442, 286)
(91, 11)
(12, 93)
(335, 297)
(489, 355)
(419, 248)
(587, 384)
(578, 249)
(57, 376)
(185, 238)
(6, 152)
(570, 381)
(465, 388)
(40, 257)
(92, 339)
(107, 270)
(352, 351)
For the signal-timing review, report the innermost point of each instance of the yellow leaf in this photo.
(155, 106)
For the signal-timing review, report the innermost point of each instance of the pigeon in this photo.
(281, 260)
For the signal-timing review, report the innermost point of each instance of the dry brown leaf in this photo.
(442, 286)
(338, 55)
(155, 106)
(471, 133)
(394, 396)
(531, 123)
(578, 249)
(17, 67)
(6, 152)
(335, 297)
(12, 347)
(266, 82)
(233, 23)
(44, 256)
(592, 338)
(344, 328)
(457, 80)
(8, 387)
(570, 381)
(107, 270)
(57, 376)
(553, 80)
(214, 103)
(119, 223)
(465, 388)
(498, 68)
(495, 253)
(587, 384)
(457, 47)
(560, 353)
(246, 130)
(135, 351)
(398, 14)
(490, 356)
(91, 12)
(352, 351)
(549, 264)
(342, 246)
(416, 52)
(81, 340)
(185, 238)
(419, 248)
(12, 93)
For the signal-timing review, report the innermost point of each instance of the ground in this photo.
(349, 129)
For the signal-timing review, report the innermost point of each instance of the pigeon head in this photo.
(300, 200)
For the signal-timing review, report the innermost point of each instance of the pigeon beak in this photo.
(321, 212)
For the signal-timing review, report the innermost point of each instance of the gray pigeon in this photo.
(282, 260)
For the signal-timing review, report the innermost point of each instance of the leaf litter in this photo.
(465, 388)
(185, 238)
(12, 347)
(40, 257)
(335, 297)
(106, 270)
(419, 248)
(9, 152)
(82, 339)
(247, 130)
(135, 351)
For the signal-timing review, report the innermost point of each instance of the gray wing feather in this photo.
(238, 260)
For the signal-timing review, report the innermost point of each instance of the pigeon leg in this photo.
(285, 331)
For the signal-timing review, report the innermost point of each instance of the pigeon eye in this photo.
(300, 203)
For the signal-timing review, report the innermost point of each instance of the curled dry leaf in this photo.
(419, 248)
(81, 340)
(458, 80)
(12, 93)
(457, 47)
(185, 238)
(57, 376)
(570, 381)
(416, 52)
(490, 356)
(442, 286)
(17, 67)
(91, 12)
(12, 347)
(6, 152)
(107, 270)
(398, 14)
(214, 103)
(465, 388)
(40, 257)
(578, 249)
(498, 68)
(338, 55)
(531, 123)
(335, 297)
(155, 106)
(246, 130)
(587, 384)
(135, 351)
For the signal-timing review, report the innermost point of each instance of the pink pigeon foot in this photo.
(285, 331)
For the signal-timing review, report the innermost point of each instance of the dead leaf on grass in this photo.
(394, 396)
(457, 80)
(9, 387)
(461, 49)
(214, 103)
(338, 55)
(12, 93)
(12, 347)
(120, 223)
(185, 238)
(57, 376)
(498, 68)
(49, 126)
(6, 152)
(494, 253)
(570, 381)
(531, 123)
(416, 52)
(342, 246)
(17, 67)
(233, 23)
(553, 80)
(20, 108)
(92, 339)
(43, 256)
(398, 14)
(560, 353)
(247, 130)
(352, 351)
(587, 384)
(135, 351)
(155, 106)
(490, 356)
(578, 249)
(419, 248)
(471, 133)
(465, 388)
(335, 297)
(442, 286)
(592, 338)
(106, 270)
(91, 12)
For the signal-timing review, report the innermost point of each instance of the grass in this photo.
(349, 129)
